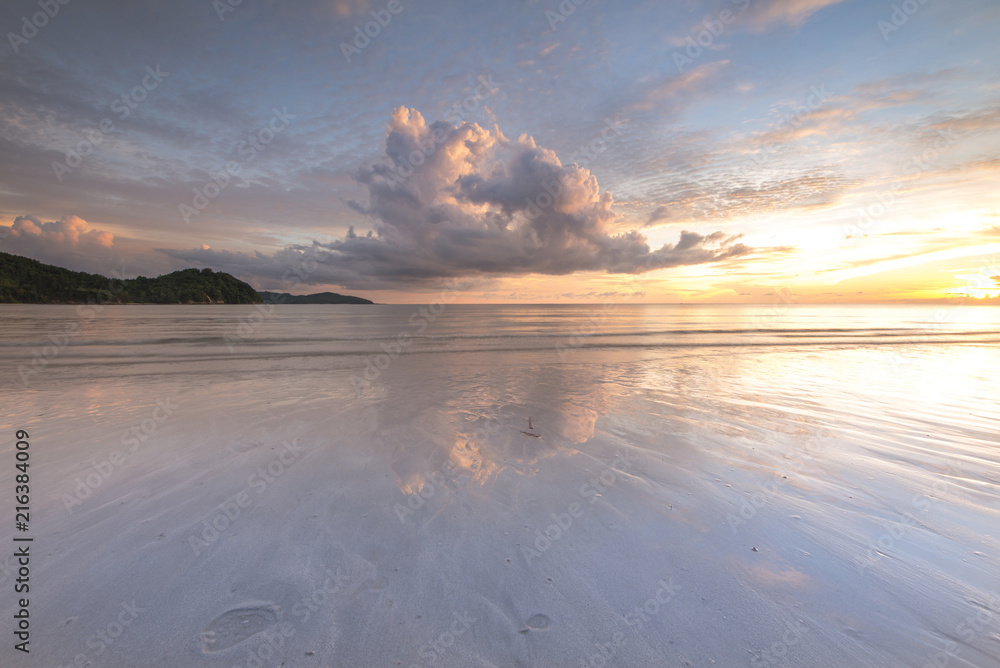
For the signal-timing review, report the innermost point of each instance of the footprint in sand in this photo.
(237, 625)
(536, 623)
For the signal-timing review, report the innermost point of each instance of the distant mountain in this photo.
(318, 298)
(27, 281)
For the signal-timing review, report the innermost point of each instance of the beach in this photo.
(451, 485)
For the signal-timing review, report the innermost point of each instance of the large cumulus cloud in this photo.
(449, 201)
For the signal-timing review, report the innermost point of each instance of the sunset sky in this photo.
(691, 151)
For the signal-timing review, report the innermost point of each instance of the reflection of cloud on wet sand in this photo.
(574, 423)
(432, 446)
(415, 447)
(426, 430)
(777, 576)
(443, 441)
(489, 445)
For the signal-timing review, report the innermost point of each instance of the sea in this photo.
(450, 484)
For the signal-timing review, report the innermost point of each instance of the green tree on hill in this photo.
(23, 280)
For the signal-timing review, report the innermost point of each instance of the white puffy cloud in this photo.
(450, 201)
(69, 231)
(68, 242)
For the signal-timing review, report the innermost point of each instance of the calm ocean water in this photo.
(868, 371)
(900, 365)
(142, 339)
(840, 359)
(853, 448)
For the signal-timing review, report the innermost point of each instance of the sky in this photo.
(533, 151)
